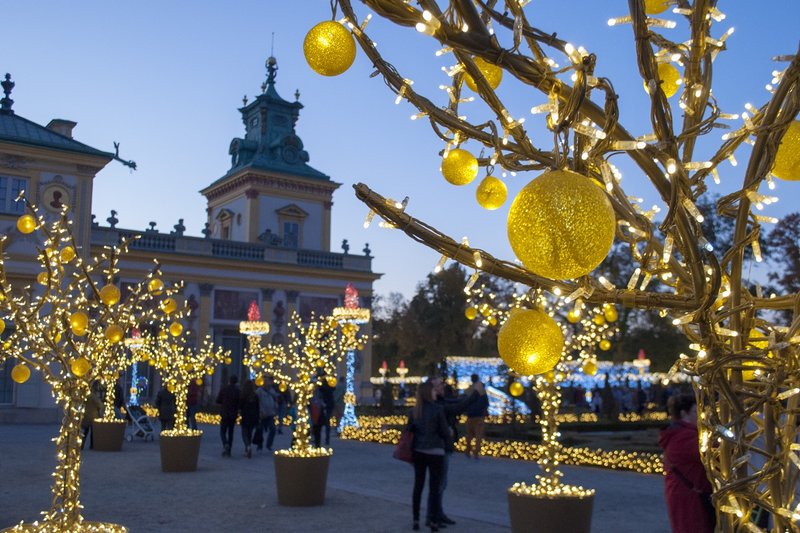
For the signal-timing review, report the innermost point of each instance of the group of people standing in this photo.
(433, 422)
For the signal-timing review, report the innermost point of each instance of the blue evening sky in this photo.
(165, 79)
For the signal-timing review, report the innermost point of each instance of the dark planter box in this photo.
(301, 480)
(540, 514)
(179, 453)
(108, 436)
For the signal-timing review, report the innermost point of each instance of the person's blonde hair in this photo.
(424, 394)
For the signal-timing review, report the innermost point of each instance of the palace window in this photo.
(10, 187)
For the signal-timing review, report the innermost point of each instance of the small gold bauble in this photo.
(114, 333)
(760, 344)
(491, 193)
(331, 382)
(605, 345)
(492, 321)
(589, 367)
(67, 254)
(282, 387)
(516, 389)
(169, 306)
(654, 7)
(471, 313)
(26, 224)
(210, 371)
(171, 387)
(199, 382)
(155, 286)
(573, 317)
(228, 360)
(599, 320)
(459, 167)
(20, 373)
(670, 79)
(42, 278)
(78, 322)
(561, 225)
(109, 295)
(259, 381)
(320, 363)
(80, 366)
(3, 326)
(787, 160)
(530, 342)
(175, 329)
(303, 377)
(491, 72)
(610, 312)
(329, 48)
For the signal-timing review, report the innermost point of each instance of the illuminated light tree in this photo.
(68, 327)
(745, 440)
(351, 313)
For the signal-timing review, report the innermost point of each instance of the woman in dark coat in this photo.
(686, 487)
(249, 408)
(428, 423)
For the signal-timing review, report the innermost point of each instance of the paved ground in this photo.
(368, 491)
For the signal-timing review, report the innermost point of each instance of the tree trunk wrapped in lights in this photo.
(70, 330)
(747, 426)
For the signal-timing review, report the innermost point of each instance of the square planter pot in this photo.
(540, 514)
(108, 436)
(179, 453)
(301, 480)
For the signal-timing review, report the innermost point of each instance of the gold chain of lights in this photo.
(179, 362)
(69, 328)
(746, 425)
(313, 352)
(590, 330)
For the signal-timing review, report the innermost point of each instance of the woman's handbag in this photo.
(405, 447)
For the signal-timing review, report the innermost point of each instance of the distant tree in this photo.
(783, 251)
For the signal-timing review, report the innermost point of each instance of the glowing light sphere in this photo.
(589, 367)
(67, 254)
(26, 224)
(332, 381)
(516, 389)
(20, 373)
(605, 345)
(491, 193)
(110, 295)
(259, 381)
(599, 320)
(574, 316)
(78, 322)
(155, 286)
(610, 313)
(80, 366)
(282, 387)
(491, 72)
(787, 160)
(654, 7)
(114, 333)
(329, 48)
(459, 167)
(670, 80)
(169, 306)
(561, 225)
(471, 313)
(175, 329)
(42, 278)
(530, 342)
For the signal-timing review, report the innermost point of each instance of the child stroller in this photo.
(140, 424)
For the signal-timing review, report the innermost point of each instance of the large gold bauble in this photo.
(599, 320)
(43, 278)
(3, 326)
(787, 160)
(114, 333)
(20, 373)
(471, 313)
(605, 345)
(155, 286)
(169, 306)
(561, 225)
(610, 312)
(459, 167)
(491, 72)
(670, 80)
(26, 224)
(530, 342)
(589, 367)
(175, 329)
(329, 48)
(67, 254)
(516, 389)
(80, 366)
(654, 7)
(109, 295)
(331, 382)
(491, 193)
(78, 322)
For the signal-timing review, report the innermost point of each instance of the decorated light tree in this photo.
(259, 358)
(561, 224)
(350, 313)
(69, 327)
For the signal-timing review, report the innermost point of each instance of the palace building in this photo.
(267, 237)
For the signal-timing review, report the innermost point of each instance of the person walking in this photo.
(427, 422)
(267, 403)
(165, 403)
(476, 411)
(228, 399)
(686, 487)
(328, 405)
(94, 406)
(249, 407)
(192, 404)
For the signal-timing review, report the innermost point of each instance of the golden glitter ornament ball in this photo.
(329, 48)
(670, 80)
(561, 225)
(530, 342)
(516, 389)
(492, 73)
(491, 193)
(787, 160)
(654, 7)
(459, 167)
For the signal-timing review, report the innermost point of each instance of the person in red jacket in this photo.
(686, 487)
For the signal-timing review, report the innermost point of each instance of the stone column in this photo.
(266, 305)
(252, 213)
(291, 303)
(326, 226)
(363, 386)
(204, 312)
